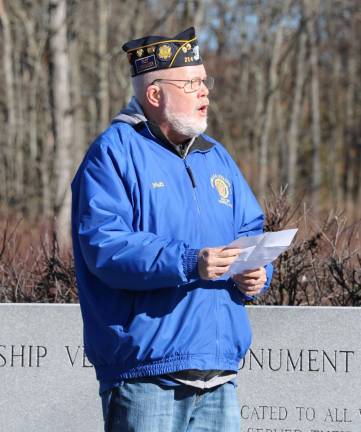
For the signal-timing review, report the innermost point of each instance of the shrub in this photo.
(322, 266)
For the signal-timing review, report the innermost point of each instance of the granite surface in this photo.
(302, 374)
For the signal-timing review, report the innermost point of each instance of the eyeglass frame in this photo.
(209, 80)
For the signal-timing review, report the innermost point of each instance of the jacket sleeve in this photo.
(113, 251)
(249, 217)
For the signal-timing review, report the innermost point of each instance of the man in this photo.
(155, 202)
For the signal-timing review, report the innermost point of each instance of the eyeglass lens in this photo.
(196, 83)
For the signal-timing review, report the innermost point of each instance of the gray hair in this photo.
(141, 82)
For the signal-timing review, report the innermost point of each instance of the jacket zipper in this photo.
(192, 179)
(191, 176)
(217, 317)
(194, 185)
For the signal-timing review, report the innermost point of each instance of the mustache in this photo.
(204, 103)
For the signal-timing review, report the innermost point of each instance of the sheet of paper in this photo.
(257, 251)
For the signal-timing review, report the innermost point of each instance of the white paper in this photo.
(257, 251)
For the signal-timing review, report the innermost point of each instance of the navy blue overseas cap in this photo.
(163, 52)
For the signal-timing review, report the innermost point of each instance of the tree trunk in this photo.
(47, 148)
(270, 101)
(350, 137)
(193, 13)
(62, 117)
(103, 63)
(296, 112)
(7, 153)
(335, 154)
(30, 102)
(78, 104)
(311, 12)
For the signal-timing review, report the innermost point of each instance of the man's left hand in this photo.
(251, 282)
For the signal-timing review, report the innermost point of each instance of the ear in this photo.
(153, 95)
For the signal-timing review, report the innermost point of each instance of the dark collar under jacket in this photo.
(199, 142)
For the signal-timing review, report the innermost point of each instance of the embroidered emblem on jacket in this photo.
(223, 187)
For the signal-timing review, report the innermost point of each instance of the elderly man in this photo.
(155, 203)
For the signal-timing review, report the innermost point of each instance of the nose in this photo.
(203, 90)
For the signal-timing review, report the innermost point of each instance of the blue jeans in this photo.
(147, 407)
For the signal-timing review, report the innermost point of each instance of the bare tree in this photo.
(78, 103)
(296, 112)
(193, 12)
(62, 115)
(286, 101)
(7, 169)
(103, 63)
(311, 8)
(270, 103)
(351, 138)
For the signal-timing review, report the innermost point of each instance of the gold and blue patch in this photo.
(224, 189)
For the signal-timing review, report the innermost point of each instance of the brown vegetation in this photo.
(33, 268)
(323, 266)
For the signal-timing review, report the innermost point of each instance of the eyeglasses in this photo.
(189, 86)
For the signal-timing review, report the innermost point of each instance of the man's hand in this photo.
(214, 262)
(251, 282)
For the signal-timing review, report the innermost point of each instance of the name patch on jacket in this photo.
(157, 185)
(223, 188)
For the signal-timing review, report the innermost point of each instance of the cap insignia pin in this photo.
(164, 52)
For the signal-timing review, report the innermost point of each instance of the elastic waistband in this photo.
(166, 366)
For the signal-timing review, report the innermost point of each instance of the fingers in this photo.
(251, 282)
(220, 253)
(250, 290)
(214, 262)
(252, 277)
(256, 273)
(220, 261)
(229, 252)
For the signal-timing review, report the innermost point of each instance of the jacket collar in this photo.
(199, 143)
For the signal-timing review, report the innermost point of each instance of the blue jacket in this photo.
(140, 215)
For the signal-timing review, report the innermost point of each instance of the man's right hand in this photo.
(214, 262)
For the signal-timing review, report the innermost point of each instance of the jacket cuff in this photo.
(190, 263)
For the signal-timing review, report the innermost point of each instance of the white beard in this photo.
(184, 125)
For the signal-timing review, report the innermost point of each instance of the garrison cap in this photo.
(163, 52)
